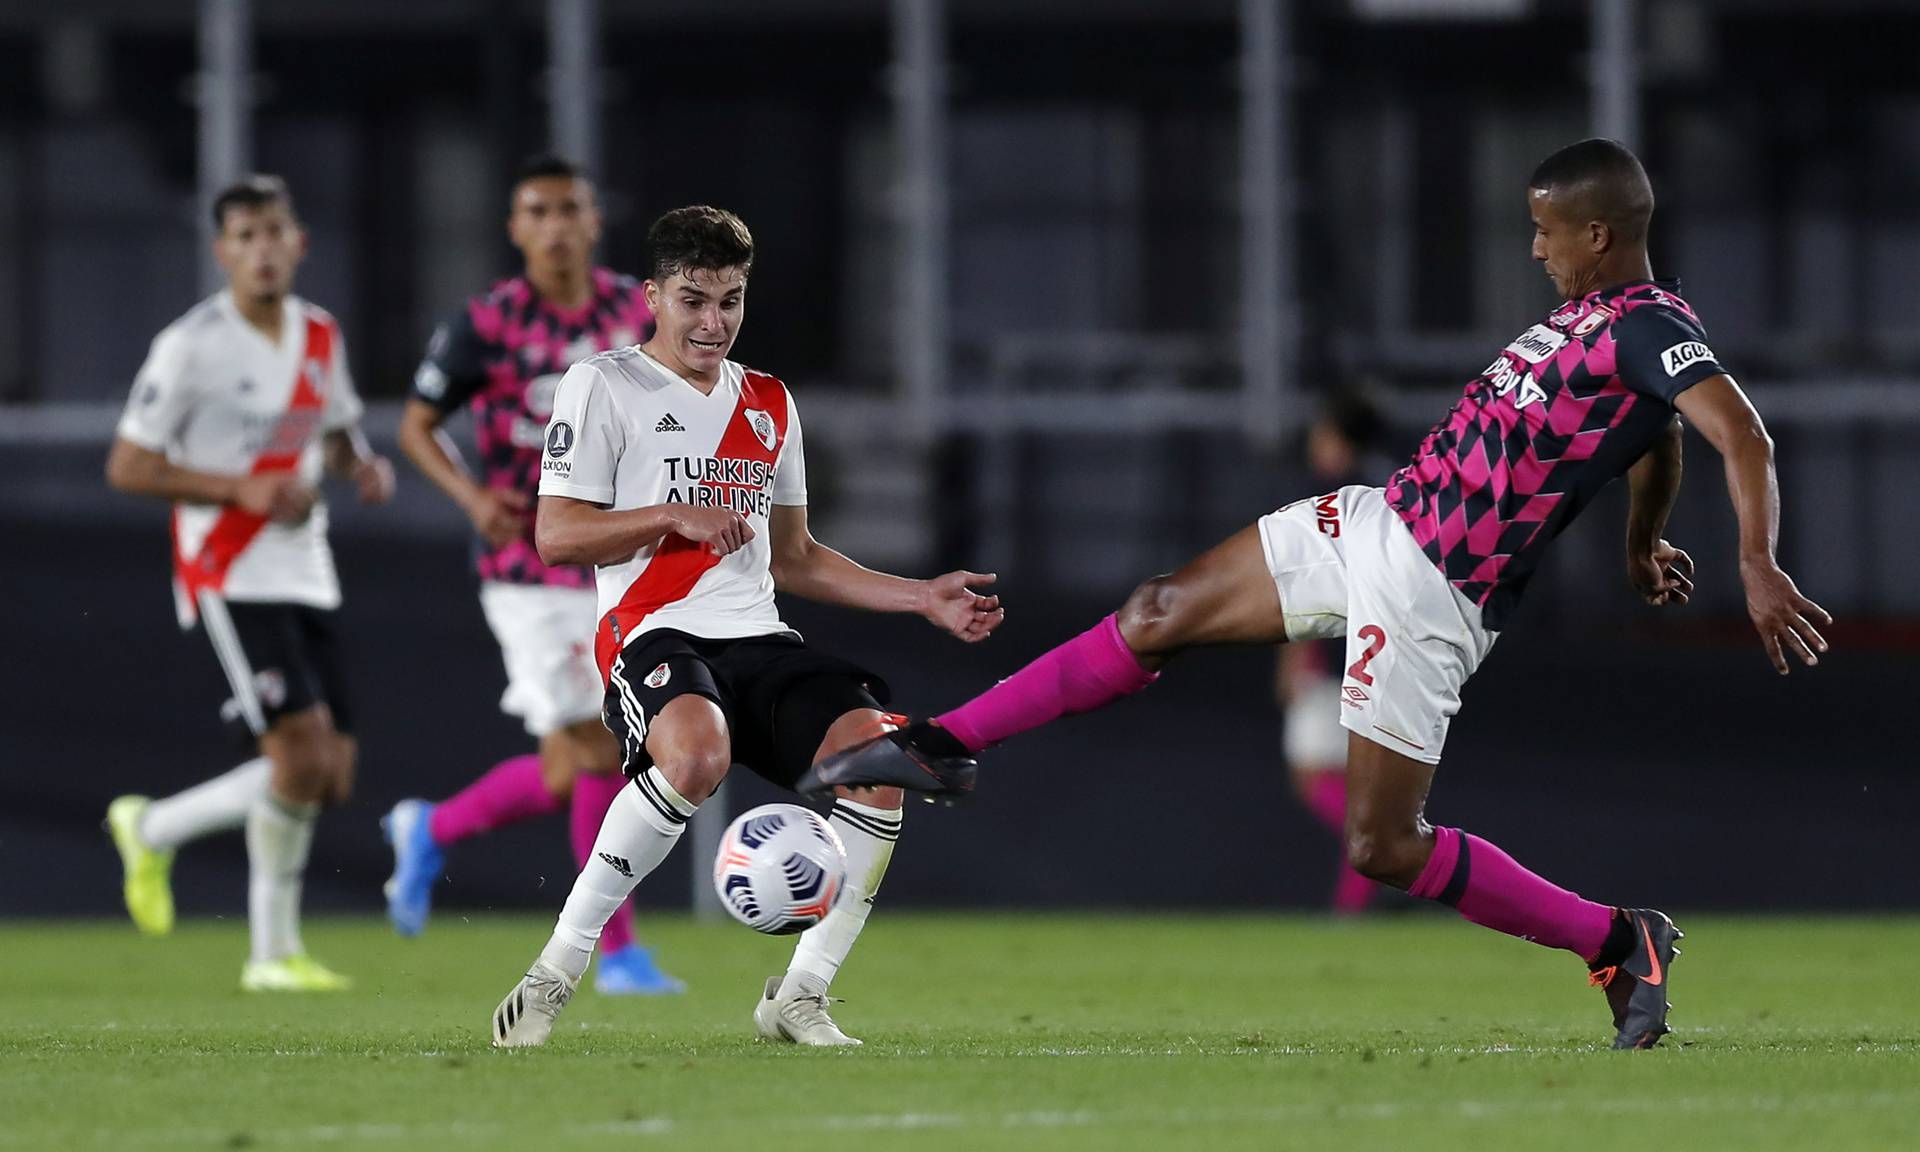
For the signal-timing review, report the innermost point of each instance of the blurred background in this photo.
(1059, 285)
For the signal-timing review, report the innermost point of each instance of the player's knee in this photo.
(1150, 619)
(1390, 856)
(304, 750)
(695, 771)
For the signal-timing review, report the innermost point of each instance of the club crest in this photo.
(762, 425)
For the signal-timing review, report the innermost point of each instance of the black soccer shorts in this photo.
(277, 659)
(779, 696)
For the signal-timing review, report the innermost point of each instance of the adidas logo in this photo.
(669, 424)
(618, 864)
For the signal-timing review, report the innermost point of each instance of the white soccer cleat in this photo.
(525, 1018)
(799, 1019)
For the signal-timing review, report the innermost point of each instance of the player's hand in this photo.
(722, 529)
(372, 477)
(1662, 576)
(500, 515)
(279, 496)
(1784, 618)
(956, 609)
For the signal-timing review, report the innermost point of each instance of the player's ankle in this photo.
(1618, 944)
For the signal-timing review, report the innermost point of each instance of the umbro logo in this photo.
(669, 424)
(618, 864)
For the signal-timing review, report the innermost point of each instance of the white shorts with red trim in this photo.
(1346, 566)
(546, 640)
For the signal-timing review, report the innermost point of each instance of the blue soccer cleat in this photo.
(632, 972)
(417, 863)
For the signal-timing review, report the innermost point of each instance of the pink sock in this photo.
(1089, 671)
(1327, 799)
(511, 790)
(1487, 887)
(592, 796)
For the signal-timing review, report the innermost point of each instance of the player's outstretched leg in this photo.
(311, 764)
(1227, 595)
(1389, 839)
(793, 1007)
(420, 832)
(689, 746)
(147, 833)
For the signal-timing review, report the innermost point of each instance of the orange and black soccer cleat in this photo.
(1637, 986)
(921, 757)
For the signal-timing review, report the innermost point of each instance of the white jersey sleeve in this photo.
(164, 393)
(585, 437)
(790, 474)
(343, 408)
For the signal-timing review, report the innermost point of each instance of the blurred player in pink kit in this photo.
(502, 356)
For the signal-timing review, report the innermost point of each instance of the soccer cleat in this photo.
(417, 862)
(300, 973)
(630, 971)
(147, 883)
(525, 1018)
(1637, 986)
(919, 758)
(800, 1019)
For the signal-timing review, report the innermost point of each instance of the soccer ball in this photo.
(780, 869)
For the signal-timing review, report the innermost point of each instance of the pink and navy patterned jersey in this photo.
(1563, 410)
(504, 354)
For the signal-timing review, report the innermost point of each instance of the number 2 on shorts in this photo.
(1376, 639)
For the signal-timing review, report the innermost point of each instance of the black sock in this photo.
(1620, 937)
(935, 740)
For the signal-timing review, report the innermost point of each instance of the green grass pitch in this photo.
(983, 1032)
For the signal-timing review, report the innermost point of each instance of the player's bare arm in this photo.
(1659, 572)
(805, 567)
(498, 514)
(279, 496)
(1787, 621)
(569, 531)
(349, 455)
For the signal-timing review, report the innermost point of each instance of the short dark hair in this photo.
(1356, 415)
(255, 191)
(699, 236)
(546, 165)
(1599, 180)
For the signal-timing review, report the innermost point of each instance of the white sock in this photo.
(279, 835)
(640, 828)
(869, 834)
(217, 805)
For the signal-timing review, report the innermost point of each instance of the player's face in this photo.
(1565, 245)
(258, 248)
(697, 314)
(555, 223)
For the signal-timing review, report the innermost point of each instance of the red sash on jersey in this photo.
(678, 563)
(235, 527)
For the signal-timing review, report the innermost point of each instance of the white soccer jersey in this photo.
(628, 433)
(217, 396)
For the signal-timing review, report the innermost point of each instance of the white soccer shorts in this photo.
(546, 640)
(1345, 565)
